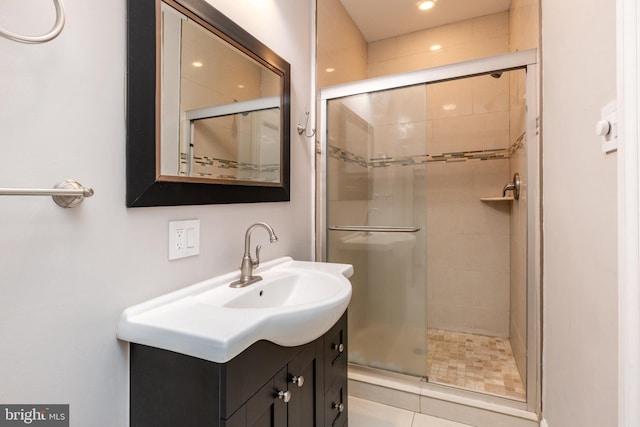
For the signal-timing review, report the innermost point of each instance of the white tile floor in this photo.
(364, 413)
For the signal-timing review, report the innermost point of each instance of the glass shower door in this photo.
(375, 190)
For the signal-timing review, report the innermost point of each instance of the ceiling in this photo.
(381, 19)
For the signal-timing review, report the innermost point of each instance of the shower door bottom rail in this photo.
(375, 228)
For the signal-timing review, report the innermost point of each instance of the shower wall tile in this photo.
(450, 99)
(491, 26)
(489, 177)
(342, 48)
(490, 94)
(458, 33)
(487, 218)
(446, 179)
(491, 290)
(524, 24)
(475, 132)
(447, 317)
(490, 252)
(467, 248)
(383, 50)
(461, 41)
(395, 66)
(408, 140)
(413, 106)
(383, 107)
(490, 322)
(449, 251)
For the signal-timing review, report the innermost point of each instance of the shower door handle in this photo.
(375, 228)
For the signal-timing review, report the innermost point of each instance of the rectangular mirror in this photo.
(220, 105)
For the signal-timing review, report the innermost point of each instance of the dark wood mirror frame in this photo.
(143, 112)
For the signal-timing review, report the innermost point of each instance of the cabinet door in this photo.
(266, 408)
(335, 405)
(303, 372)
(335, 353)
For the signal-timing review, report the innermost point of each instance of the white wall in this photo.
(579, 213)
(66, 275)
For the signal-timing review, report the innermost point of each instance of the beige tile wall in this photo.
(340, 46)
(468, 241)
(462, 41)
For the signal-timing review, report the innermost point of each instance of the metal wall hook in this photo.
(52, 34)
(303, 129)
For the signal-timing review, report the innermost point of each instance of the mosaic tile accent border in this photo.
(519, 143)
(346, 156)
(419, 159)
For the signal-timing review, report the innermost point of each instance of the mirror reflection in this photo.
(220, 111)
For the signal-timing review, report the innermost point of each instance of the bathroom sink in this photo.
(283, 289)
(294, 303)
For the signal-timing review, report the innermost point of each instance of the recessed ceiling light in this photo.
(197, 64)
(449, 107)
(435, 47)
(241, 86)
(330, 70)
(426, 5)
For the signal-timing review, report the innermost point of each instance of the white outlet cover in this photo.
(184, 238)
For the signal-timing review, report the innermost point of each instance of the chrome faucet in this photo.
(513, 186)
(248, 263)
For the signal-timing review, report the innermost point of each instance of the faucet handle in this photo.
(256, 262)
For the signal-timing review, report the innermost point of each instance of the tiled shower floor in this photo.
(476, 362)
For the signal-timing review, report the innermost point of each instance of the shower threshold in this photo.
(455, 404)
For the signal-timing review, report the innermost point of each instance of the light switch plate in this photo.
(184, 238)
(609, 114)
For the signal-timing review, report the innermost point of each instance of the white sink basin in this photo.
(294, 303)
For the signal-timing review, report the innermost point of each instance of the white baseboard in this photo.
(543, 423)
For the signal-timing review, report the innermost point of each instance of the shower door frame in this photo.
(527, 60)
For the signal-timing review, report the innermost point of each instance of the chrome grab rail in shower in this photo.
(375, 228)
(67, 193)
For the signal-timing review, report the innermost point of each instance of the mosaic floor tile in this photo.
(475, 362)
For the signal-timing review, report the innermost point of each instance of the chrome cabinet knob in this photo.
(298, 380)
(284, 395)
(339, 347)
(338, 406)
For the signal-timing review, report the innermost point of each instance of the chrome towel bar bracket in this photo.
(66, 194)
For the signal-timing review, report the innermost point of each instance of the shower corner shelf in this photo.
(497, 199)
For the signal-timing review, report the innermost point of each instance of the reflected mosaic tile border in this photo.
(214, 167)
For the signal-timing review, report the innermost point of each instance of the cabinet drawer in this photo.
(335, 406)
(335, 353)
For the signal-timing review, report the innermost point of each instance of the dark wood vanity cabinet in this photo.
(265, 386)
